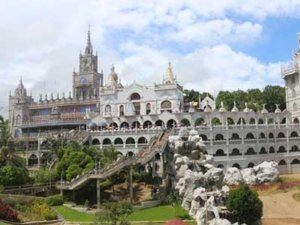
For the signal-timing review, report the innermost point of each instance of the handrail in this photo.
(143, 157)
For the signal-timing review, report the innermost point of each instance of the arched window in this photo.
(250, 165)
(281, 149)
(166, 106)
(199, 122)
(271, 150)
(32, 160)
(135, 96)
(295, 161)
(18, 120)
(236, 165)
(147, 124)
(121, 110)
(107, 110)
(219, 137)
(250, 136)
(294, 148)
(281, 135)
(216, 121)
(95, 142)
(250, 151)
(142, 140)
(148, 108)
(204, 137)
(157, 156)
(271, 135)
(270, 121)
(171, 123)
(113, 125)
(260, 121)
(235, 151)
(241, 121)
(262, 135)
(220, 152)
(221, 166)
(124, 125)
(159, 123)
(118, 141)
(252, 121)
(294, 134)
(130, 141)
(263, 151)
(282, 163)
(106, 141)
(185, 123)
(230, 121)
(235, 136)
(136, 124)
(296, 120)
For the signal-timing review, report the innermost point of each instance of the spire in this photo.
(89, 48)
(169, 74)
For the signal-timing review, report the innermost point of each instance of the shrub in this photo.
(55, 200)
(245, 205)
(7, 212)
(43, 210)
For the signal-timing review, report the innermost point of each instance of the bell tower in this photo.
(88, 80)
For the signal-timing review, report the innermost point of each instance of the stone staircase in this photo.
(156, 145)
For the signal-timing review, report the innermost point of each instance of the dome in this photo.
(222, 109)
(234, 109)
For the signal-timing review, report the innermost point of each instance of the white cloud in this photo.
(41, 40)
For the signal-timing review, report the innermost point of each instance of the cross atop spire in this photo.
(89, 47)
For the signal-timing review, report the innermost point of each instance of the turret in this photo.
(169, 79)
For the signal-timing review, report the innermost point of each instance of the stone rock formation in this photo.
(266, 172)
(201, 185)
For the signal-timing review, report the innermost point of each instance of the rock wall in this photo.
(201, 185)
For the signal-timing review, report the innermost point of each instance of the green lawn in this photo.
(2, 223)
(159, 213)
(73, 215)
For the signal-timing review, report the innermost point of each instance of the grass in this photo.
(2, 223)
(74, 216)
(159, 213)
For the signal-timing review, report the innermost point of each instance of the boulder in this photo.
(219, 222)
(266, 172)
(233, 176)
(249, 176)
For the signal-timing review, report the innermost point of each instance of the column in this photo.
(98, 194)
(130, 185)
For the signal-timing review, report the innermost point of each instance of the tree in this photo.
(115, 213)
(73, 160)
(173, 199)
(274, 95)
(245, 205)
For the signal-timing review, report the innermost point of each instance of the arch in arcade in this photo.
(130, 141)
(199, 122)
(32, 160)
(95, 141)
(106, 141)
(135, 124)
(124, 125)
(118, 141)
(142, 140)
(159, 123)
(147, 124)
(185, 122)
(171, 123)
(295, 166)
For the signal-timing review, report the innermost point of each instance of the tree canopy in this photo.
(270, 95)
(245, 205)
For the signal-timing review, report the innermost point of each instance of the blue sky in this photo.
(213, 45)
